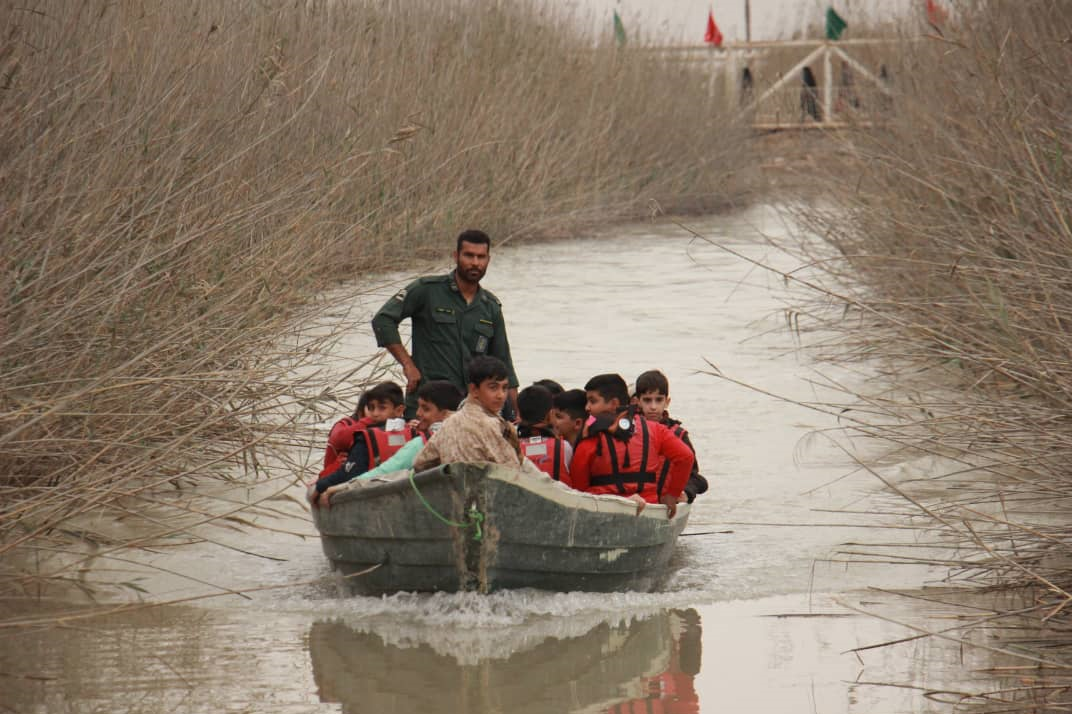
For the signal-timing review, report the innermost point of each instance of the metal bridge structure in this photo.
(797, 84)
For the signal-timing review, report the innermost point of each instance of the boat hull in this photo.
(481, 527)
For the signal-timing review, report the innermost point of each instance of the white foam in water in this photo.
(470, 627)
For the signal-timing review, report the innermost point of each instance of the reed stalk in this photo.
(180, 181)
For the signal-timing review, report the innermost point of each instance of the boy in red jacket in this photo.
(622, 453)
(539, 442)
(653, 399)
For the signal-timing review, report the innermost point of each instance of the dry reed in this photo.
(953, 265)
(178, 180)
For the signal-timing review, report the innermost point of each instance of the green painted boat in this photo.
(485, 527)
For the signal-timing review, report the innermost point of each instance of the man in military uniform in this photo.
(454, 320)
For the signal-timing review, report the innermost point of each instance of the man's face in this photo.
(565, 425)
(597, 406)
(382, 411)
(472, 261)
(653, 404)
(491, 394)
(428, 414)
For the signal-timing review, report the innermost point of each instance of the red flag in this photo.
(936, 14)
(713, 36)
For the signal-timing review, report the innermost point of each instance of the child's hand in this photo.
(413, 423)
(325, 498)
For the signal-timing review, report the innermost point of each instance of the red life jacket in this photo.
(680, 432)
(546, 451)
(383, 444)
(340, 441)
(627, 467)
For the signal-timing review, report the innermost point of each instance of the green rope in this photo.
(476, 518)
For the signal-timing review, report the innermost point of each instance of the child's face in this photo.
(653, 404)
(564, 425)
(382, 411)
(597, 406)
(490, 394)
(428, 414)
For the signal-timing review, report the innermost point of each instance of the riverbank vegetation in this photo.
(954, 261)
(178, 180)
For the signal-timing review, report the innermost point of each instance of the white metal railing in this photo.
(835, 106)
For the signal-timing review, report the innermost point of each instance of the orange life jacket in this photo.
(545, 450)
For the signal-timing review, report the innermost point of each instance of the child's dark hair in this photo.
(362, 402)
(550, 385)
(534, 403)
(485, 367)
(385, 392)
(441, 393)
(652, 381)
(571, 401)
(609, 386)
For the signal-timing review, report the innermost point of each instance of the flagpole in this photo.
(747, 21)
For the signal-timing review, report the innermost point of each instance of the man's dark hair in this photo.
(609, 386)
(385, 392)
(534, 403)
(571, 401)
(441, 393)
(652, 381)
(473, 236)
(550, 385)
(485, 367)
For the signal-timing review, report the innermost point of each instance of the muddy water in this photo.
(760, 613)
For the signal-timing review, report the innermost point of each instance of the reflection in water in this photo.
(649, 662)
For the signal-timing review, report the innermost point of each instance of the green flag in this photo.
(834, 24)
(619, 29)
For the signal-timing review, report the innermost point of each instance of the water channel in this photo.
(759, 615)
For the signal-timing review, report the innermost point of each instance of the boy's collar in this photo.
(540, 429)
(619, 426)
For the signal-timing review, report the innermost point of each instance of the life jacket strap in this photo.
(639, 478)
(374, 446)
(557, 474)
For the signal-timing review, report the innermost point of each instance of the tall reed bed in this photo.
(954, 251)
(178, 180)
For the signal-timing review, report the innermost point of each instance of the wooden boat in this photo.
(485, 527)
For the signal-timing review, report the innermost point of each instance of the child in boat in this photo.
(341, 436)
(365, 443)
(436, 400)
(653, 399)
(539, 442)
(622, 453)
(568, 415)
(375, 406)
(476, 432)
